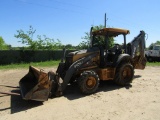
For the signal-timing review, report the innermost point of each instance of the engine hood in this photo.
(82, 53)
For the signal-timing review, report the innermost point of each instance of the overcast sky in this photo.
(68, 20)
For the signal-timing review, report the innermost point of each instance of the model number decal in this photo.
(78, 64)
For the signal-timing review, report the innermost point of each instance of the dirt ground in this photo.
(138, 101)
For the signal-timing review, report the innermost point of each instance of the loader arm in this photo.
(136, 50)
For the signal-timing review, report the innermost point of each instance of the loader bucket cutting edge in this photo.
(35, 85)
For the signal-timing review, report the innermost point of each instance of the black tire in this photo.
(72, 80)
(124, 74)
(88, 82)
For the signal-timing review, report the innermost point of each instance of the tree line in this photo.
(42, 42)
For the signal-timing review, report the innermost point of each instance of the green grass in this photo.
(49, 64)
(153, 63)
(26, 65)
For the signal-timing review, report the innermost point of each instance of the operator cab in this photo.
(101, 39)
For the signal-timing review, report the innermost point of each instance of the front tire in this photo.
(124, 74)
(88, 82)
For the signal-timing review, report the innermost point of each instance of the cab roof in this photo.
(111, 32)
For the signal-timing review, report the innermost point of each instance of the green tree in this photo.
(84, 44)
(48, 43)
(152, 44)
(3, 45)
(27, 38)
(157, 42)
(69, 46)
(99, 40)
(42, 42)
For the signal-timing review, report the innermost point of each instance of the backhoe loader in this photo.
(88, 67)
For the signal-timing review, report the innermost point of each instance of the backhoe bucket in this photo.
(35, 85)
(140, 62)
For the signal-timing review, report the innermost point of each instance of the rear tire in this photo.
(88, 82)
(124, 74)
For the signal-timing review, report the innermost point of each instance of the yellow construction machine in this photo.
(88, 67)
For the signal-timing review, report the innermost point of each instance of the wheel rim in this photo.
(90, 82)
(126, 73)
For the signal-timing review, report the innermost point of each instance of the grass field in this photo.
(49, 64)
(153, 64)
(26, 65)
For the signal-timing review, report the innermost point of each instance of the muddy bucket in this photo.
(35, 85)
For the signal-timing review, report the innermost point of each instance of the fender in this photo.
(75, 67)
(122, 57)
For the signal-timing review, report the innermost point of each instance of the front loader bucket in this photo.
(35, 85)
